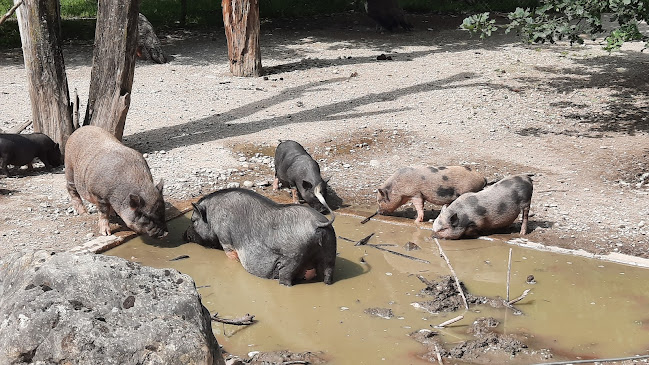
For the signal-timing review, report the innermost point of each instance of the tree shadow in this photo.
(626, 111)
(232, 123)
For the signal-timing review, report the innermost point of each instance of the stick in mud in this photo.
(519, 298)
(181, 257)
(242, 321)
(425, 281)
(439, 356)
(399, 254)
(450, 321)
(509, 271)
(457, 281)
(368, 218)
(364, 240)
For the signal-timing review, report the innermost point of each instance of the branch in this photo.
(439, 356)
(527, 291)
(368, 218)
(450, 321)
(457, 281)
(10, 12)
(20, 128)
(242, 321)
(509, 270)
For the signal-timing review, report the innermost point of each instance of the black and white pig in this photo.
(21, 149)
(273, 241)
(497, 206)
(295, 168)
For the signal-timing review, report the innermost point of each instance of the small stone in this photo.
(411, 246)
(242, 159)
(233, 185)
(346, 165)
(248, 184)
(530, 279)
(374, 163)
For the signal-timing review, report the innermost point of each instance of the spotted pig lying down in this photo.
(497, 206)
(437, 185)
(275, 241)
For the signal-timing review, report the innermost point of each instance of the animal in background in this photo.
(99, 168)
(437, 185)
(295, 168)
(387, 14)
(21, 149)
(275, 241)
(495, 207)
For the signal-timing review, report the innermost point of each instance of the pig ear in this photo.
(199, 211)
(454, 220)
(307, 185)
(135, 201)
(160, 185)
(384, 194)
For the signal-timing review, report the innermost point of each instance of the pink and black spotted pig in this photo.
(437, 185)
(497, 206)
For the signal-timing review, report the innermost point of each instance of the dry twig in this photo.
(509, 303)
(439, 356)
(509, 270)
(457, 281)
(242, 321)
(11, 11)
(368, 218)
(450, 321)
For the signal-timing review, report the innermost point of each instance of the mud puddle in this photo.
(578, 308)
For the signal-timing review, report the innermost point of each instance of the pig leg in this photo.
(104, 209)
(4, 167)
(418, 202)
(295, 198)
(288, 269)
(526, 212)
(77, 204)
(276, 183)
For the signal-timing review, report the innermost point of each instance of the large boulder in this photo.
(69, 308)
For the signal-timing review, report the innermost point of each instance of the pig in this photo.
(273, 241)
(99, 168)
(497, 206)
(21, 149)
(387, 14)
(295, 168)
(437, 185)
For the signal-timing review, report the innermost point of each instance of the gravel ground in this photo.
(575, 117)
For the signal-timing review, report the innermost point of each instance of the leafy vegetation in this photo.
(570, 19)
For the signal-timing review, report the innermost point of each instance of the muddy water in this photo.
(578, 307)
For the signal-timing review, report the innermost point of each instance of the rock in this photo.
(233, 185)
(248, 184)
(66, 308)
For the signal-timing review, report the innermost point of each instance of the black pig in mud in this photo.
(21, 149)
(102, 170)
(437, 185)
(273, 241)
(497, 206)
(295, 168)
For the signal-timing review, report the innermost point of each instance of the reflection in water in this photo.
(578, 307)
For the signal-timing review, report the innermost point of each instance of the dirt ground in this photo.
(575, 117)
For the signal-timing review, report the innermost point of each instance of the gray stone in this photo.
(70, 308)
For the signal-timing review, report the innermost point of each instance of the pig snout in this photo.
(309, 274)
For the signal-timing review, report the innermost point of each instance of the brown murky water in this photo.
(578, 307)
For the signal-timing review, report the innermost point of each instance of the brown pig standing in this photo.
(103, 171)
(437, 185)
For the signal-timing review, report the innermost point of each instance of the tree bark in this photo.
(113, 65)
(39, 22)
(241, 21)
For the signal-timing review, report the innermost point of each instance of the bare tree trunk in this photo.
(113, 65)
(40, 32)
(241, 21)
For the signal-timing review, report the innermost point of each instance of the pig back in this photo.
(102, 166)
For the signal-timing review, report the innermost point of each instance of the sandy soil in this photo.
(575, 117)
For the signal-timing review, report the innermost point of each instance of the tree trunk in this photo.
(113, 65)
(39, 22)
(241, 21)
